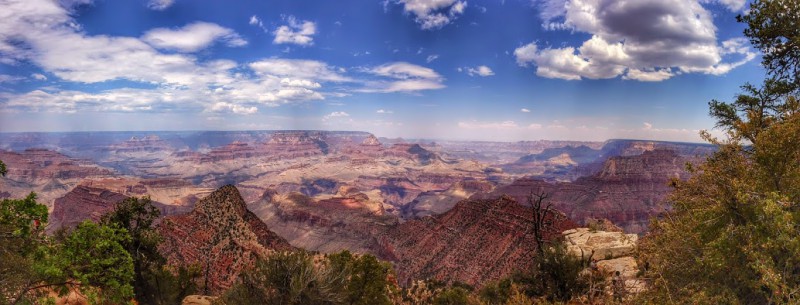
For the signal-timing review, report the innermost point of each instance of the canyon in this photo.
(447, 210)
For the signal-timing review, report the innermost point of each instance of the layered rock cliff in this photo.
(476, 242)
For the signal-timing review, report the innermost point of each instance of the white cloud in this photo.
(335, 114)
(404, 70)
(192, 37)
(255, 21)
(233, 108)
(488, 125)
(645, 40)
(296, 32)
(733, 5)
(654, 75)
(299, 68)
(434, 14)
(431, 58)
(38, 76)
(5, 78)
(525, 110)
(381, 111)
(46, 36)
(647, 125)
(403, 77)
(479, 70)
(159, 5)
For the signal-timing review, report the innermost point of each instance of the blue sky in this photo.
(453, 69)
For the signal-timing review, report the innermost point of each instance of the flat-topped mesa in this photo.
(149, 143)
(293, 144)
(232, 151)
(38, 165)
(221, 236)
(659, 164)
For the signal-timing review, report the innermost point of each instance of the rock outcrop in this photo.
(198, 300)
(221, 236)
(611, 252)
(583, 242)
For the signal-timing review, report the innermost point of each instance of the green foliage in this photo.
(288, 278)
(367, 277)
(91, 257)
(731, 237)
(496, 293)
(774, 28)
(3, 169)
(302, 278)
(21, 235)
(454, 295)
(22, 216)
(154, 283)
(556, 275)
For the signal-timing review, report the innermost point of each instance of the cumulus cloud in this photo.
(526, 110)
(434, 14)
(192, 37)
(645, 40)
(296, 32)
(403, 77)
(381, 111)
(232, 108)
(479, 71)
(159, 5)
(38, 76)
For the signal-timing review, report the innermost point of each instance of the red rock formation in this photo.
(220, 235)
(628, 190)
(475, 242)
(34, 165)
(91, 203)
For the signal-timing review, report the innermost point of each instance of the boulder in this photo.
(625, 265)
(198, 300)
(582, 242)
